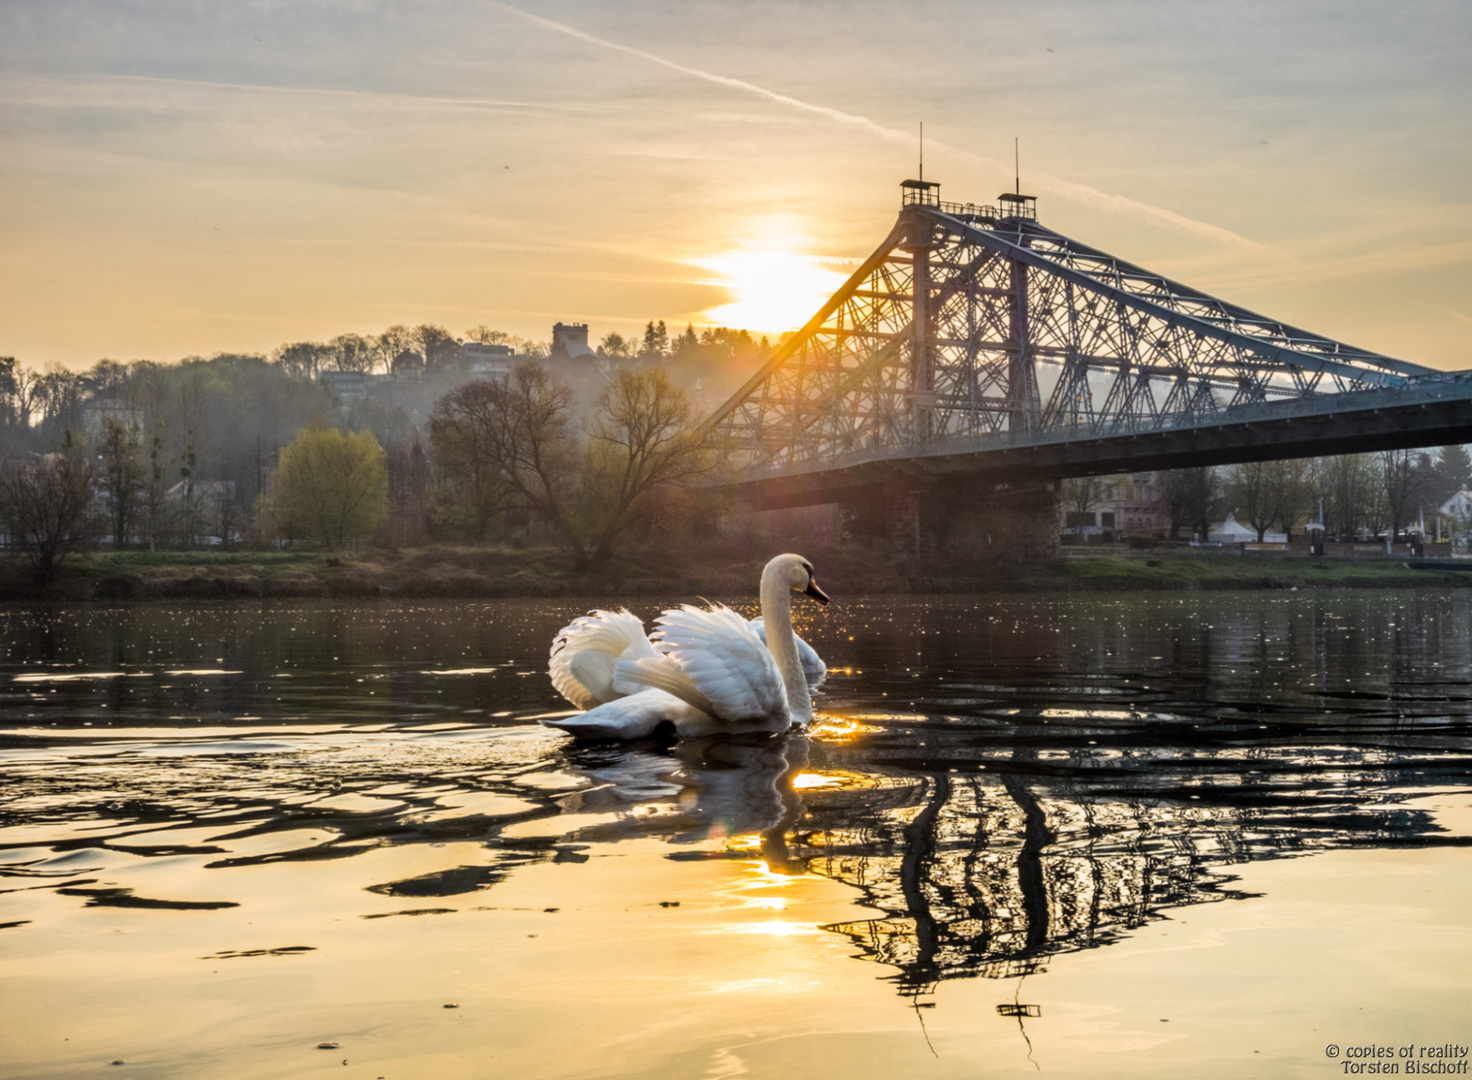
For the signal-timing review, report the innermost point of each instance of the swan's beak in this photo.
(816, 593)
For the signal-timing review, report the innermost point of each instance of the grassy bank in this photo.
(453, 572)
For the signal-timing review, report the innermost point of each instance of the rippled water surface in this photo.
(1189, 835)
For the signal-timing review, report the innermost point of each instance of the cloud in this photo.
(1081, 193)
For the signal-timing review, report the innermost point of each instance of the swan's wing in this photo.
(813, 668)
(612, 632)
(593, 669)
(722, 659)
(633, 717)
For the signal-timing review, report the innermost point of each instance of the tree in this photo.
(122, 476)
(439, 345)
(486, 336)
(17, 394)
(47, 507)
(687, 345)
(330, 486)
(1190, 497)
(1289, 483)
(656, 342)
(304, 359)
(1405, 474)
(353, 352)
(616, 345)
(639, 443)
(511, 439)
(155, 492)
(1080, 496)
(470, 455)
(1352, 493)
(1451, 473)
(507, 446)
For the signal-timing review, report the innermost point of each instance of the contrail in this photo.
(720, 80)
(1067, 188)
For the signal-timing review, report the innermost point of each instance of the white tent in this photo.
(1232, 531)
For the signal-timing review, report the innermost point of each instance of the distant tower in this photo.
(570, 340)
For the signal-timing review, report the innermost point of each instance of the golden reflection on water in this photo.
(218, 896)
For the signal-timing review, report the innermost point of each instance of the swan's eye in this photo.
(809, 568)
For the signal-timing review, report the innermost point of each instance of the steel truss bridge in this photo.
(976, 344)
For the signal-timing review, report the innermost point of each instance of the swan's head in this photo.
(797, 574)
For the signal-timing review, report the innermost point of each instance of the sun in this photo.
(772, 291)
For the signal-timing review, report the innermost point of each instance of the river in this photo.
(1195, 834)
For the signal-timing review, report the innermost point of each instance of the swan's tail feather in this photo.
(637, 716)
(660, 673)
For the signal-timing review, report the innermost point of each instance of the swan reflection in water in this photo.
(697, 790)
(989, 871)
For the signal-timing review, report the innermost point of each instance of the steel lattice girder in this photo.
(1024, 336)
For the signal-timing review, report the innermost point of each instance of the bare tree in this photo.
(486, 336)
(122, 476)
(352, 352)
(1190, 497)
(469, 454)
(47, 506)
(640, 442)
(1405, 474)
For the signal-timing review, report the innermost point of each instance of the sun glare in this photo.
(773, 291)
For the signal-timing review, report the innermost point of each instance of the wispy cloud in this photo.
(101, 91)
(1056, 185)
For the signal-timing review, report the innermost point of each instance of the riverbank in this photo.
(454, 572)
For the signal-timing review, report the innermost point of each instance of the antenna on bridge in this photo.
(922, 149)
(1017, 164)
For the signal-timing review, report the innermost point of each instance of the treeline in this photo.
(216, 451)
(1360, 494)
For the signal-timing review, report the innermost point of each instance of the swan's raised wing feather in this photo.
(615, 633)
(723, 659)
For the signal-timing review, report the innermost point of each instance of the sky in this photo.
(184, 178)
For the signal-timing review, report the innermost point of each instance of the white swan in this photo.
(706, 671)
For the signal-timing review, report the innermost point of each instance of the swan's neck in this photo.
(782, 643)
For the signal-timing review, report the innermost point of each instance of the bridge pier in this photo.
(1001, 523)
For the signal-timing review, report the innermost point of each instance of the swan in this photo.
(706, 670)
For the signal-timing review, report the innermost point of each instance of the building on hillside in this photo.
(570, 340)
(97, 413)
(349, 386)
(485, 361)
(407, 365)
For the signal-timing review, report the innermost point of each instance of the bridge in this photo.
(977, 352)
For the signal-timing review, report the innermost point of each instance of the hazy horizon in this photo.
(182, 180)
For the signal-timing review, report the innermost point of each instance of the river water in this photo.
(1170, 835)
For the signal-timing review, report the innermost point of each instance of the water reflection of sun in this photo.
(773, 291)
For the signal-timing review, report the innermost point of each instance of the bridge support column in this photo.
(902, 508)
(1004, 523)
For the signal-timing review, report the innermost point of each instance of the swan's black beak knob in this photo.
(816, 593)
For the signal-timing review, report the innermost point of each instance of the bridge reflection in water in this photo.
(989, 867)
